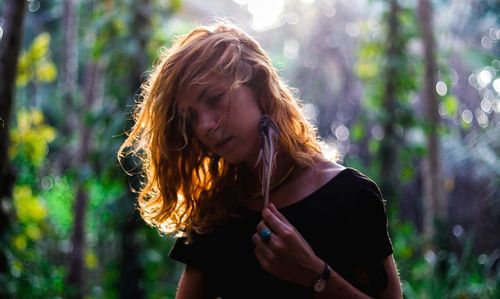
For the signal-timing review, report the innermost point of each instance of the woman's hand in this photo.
(286, 255)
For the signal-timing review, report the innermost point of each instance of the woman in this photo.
(232, 167)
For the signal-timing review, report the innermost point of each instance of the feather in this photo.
(269, 136)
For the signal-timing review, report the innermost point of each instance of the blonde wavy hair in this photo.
(184, 188)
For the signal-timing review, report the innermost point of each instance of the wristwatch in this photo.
(320, 283)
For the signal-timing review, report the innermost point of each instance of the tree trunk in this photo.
(10, 45)
(434, 198)
(69, 77)
(76, 265)
(131, 269)
(388, 147)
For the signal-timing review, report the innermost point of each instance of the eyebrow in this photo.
(203, 94)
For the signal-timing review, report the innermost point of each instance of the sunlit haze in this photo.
(265, 13)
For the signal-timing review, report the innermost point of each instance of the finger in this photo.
(263, 246)
(278, 214)
(273, 222)
(261, 259)
(257, 240)
(261, 225)
(264, 232)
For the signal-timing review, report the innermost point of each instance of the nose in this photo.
(206, 123)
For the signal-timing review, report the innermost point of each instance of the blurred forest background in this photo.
(407, 91)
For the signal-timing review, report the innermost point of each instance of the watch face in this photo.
(319, 285)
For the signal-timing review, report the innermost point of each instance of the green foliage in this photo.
(369, 61)
(30, 138)
(428, 274)
(103, 191)
(379, 66)
(425, 274)
(32, 271)
(450, 104)
(59, 198)
(35, 63)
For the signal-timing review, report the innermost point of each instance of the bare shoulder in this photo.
(317, 176)
(306, 181)
(324, 170)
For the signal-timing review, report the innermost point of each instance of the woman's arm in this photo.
(338, 287)
(191, 284)
(393, 289)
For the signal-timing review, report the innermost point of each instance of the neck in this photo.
(283, 171)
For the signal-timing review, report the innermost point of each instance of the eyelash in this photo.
(213, 101)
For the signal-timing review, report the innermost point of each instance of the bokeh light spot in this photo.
(310, 111)
(34, 6)
(378, 132)
(47, 182)
(441, 88)
(496, 85)
(265, 13)
(486, 105)
(473, 81)
(373, 25)
(328, 7)
(486, 42)
(430, 257)
(482, 118)
(292, 18)
(467, 116)
(352, 29)
(484, 77)
(342, 133)
(458, 230)
(442, 110)
(291, 49)
(496, 106)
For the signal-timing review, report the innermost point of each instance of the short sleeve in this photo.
(188, 253)
(371, 242)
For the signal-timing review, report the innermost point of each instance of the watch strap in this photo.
(326, 272)
(320, 282)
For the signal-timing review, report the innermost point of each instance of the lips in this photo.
(222, 142)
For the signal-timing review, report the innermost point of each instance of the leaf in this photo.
(40, 47)
(91, 260)
(20, 242)
(22, 79)
(46, 72)
(175, 5)
(367, 69)
(28, 206)
(358, 132)
(33, 231)
(35, 63)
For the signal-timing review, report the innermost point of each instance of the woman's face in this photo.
(227, 124)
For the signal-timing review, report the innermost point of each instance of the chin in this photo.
(232, 160)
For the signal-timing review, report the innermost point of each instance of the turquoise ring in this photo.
(265, 234)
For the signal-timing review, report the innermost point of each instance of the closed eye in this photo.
(214, 101)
